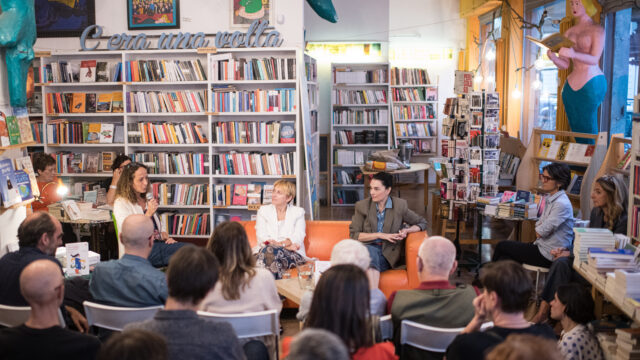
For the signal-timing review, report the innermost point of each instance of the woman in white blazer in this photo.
(280, 230)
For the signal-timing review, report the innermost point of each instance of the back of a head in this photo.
(510, 281)
(136, 344)
(525, 347)
(317, 344)
(42, 283)
(119, 160)
(438, 255)
(31, 229)
(136, 231)
(351, 252)
(41, 161)
(579, 305)
(192, 273)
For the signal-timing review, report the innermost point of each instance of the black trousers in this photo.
(521, 253)
(561, 273)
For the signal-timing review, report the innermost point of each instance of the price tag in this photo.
(253, 207)
(208, 50)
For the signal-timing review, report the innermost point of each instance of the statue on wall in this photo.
(586, 85)
(17, 36)
(324, 9)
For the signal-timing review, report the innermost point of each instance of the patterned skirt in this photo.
(278, 260)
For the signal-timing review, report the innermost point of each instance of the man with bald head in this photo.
(131, 281)
(41, 337)
(436, 302)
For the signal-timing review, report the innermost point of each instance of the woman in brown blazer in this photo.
(380, 222)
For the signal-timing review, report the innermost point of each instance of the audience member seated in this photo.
(39, 236)
(317, 344)
(525, 347)
(131, 281)
(378, 222)
(507, 289)
(554, 228)
(280, 231)
(436, 302)
(609, 196)
(41, 337)
(349, 252)
(191, 276)
(131, 199)
(118, 165)
(134, 345)
(573, 307)
(45, 167)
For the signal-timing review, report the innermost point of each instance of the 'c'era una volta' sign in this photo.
(259, 34)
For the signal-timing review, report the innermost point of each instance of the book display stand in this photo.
(618, 157)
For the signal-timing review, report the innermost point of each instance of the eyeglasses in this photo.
(545, 178)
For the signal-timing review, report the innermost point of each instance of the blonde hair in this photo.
(287, 187)
(589, 7)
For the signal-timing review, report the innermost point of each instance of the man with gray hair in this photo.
(436, 302)
(317, 344)
(131, 281)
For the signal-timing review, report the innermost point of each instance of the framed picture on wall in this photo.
(247, 11)
(153, 14)
(63, 18)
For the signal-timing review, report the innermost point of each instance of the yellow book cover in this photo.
(117, 104)
(562, 152)
(544, 148)
(104, 102)
(78, 105)
(93, 135)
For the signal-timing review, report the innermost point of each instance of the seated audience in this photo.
(117, 166)
(436, 302)
(609, 196)
(280, 230)
(45, 168)
(39, 235)
(378, 222)
(317, 344)
(131, 281)
(573, 307)
(131, 199)
(191, 276)
(525, 347)
(507, 289)
(349, 252)
(41, 337)
(554, 228)
(134, 345)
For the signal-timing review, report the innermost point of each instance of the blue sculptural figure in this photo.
(17, 36)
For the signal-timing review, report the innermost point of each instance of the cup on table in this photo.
(305, 276)
(286, 274)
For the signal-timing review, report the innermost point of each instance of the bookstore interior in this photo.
(499, 124)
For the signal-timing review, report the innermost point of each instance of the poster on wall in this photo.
(63, 18)
(156, 14)
(247, 11)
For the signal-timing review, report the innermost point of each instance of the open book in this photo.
(552, 42)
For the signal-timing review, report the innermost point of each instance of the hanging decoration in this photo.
(324, 9)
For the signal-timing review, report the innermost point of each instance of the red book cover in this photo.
(240, 194)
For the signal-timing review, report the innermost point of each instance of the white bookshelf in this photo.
(338, 191)
(310, 144)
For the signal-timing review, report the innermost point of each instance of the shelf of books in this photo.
(310, 146)
(359, 125)
(216, 130)
(618, 157)
(633, 228)
(414, 109)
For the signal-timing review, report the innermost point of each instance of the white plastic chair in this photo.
(11, 316)
(261, 323)
(428, 338)
(538, 270)
(114, 317)
(386, 327)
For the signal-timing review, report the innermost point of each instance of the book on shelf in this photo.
(586, 238)
(185, 224)
(400, 76)
(90, 103)
(34, 103)
(267, 192)
(239, 194)
(107, 160)
(414, 129)
(60, 103)
(164, 70)
(8, 184)
(246, 132)
(255, 163)
(88, 71)
(166, 133)
(116, 102)
(287, 132)
(360, 117)
(349, 137)
(413, 112)
(254, 194)
(24, 163)
(432, 94)
(409, 94)
(180, 193)
(348, 177)
(348, 157)
(174, 163)
(79, 103)
(36, 130)
(225, 67)
(575, 184)
(104, 102)
(625, 161)
(350, 75)
(106, 133)
(4, 130)
(13, 129)
(359, 97)
(102, 74)
(24, 126)
(23, 184)
(166, 101)
(552, 42)
(227, 99)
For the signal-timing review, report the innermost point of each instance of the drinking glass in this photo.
(305, 276)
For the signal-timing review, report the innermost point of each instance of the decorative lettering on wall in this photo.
(259, 34)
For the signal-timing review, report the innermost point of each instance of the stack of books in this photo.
(586, 238)
(626, 284)
(606, 260)
(627, 344)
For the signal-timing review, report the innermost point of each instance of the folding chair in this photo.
(386, 327)
(428, 338)
(114, 317)
(11, 316)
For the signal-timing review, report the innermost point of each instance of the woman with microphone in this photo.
(133, 197)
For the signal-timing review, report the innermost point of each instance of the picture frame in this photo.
(58, 19)
(244, 12)
(143, 15)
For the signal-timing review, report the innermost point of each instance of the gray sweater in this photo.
(192, 338)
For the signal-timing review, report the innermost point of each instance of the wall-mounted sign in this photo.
(259, 34)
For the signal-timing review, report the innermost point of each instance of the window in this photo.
(490, 30)
(634, 59)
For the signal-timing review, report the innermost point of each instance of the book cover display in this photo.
(8, 184)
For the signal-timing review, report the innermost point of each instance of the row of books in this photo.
(625, 161)
(635, 221)
(242, 194)
(345, 137)
(85, 71)
(185, 224)
(271, 68)
(89, 163)
(254, 132)
(400, 76)
(359, 97)
(423, 146)
(636, 180)
(36, 130)
(576, 183)
(228, 99)
(166, 133)
(346, 75)
(64, 103)
(61, 131)
(344, 177)
(415, 94)
(360, 117)
(181, 194)
(311, 71)
(585, 238)
(414, 129)
(234, 163)
(414, 112)
(166, 101)
(348, 157)
(173, 163)
(164, 70)
(508, 165)
(15, 127)
(567, 151)
(17, 181)
(341, 196)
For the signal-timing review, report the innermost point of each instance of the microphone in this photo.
(149, 196)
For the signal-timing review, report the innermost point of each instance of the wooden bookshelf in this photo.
(614, 155)
(633, 213)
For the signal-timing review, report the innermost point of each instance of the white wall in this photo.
(358, 20)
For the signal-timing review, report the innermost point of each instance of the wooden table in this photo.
(415, 167)
(290, 288)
